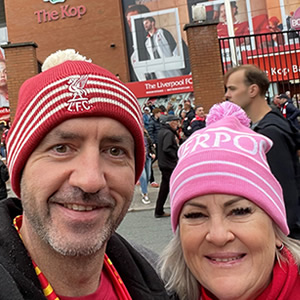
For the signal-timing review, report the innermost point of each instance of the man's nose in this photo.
(88, 172)
(219, 232)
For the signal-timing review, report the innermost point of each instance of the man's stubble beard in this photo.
(49, 235)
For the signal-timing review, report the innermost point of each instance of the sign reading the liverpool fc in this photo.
(64, 11)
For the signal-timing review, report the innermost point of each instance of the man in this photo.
(167, 159)
(288, 110)
(146, 117)
(240, 28)
(160, 44)
(75, 151)
(153, 129)
(190, 115)
(246, 86)
(199, 121)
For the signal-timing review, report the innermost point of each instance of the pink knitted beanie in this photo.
(227, 157)
(72, 89)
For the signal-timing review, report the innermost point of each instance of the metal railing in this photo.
(277, 53)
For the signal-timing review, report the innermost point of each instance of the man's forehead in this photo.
(236, 77)
(84, 125)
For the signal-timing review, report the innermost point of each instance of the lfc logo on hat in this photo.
(77, 88)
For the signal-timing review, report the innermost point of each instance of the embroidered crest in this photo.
(77, 87)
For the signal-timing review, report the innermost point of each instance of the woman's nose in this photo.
(219, 233)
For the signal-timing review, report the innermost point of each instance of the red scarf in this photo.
(283, 109)
(197, 118)
(49, 293)
(285, 284)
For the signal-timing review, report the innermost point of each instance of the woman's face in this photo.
(228, 244)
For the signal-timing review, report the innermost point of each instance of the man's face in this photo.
(200, 112)
(174, 124)
(77, 185)
(148, 25)
(237, 91)
(3, 74)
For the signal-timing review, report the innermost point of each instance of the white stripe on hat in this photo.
(207, 174)
(25, 120)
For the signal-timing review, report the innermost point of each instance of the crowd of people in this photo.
(232, 176)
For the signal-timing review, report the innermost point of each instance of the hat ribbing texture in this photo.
(73, 89)
(226, 157)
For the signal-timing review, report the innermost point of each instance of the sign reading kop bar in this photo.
(64, 11)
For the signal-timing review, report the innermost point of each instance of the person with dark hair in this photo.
(73, 165)
(153, 130)
(199, 121)
(246, 86)
(288, 110)
(240, 28)
(168, 143)
(160, 44)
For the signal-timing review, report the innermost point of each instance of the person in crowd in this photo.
(275, 104)
(288, 110)
(4, 176)
(3, 141)
(228, 216)
(145, 177)
(3, 84)
(153, 129)
(73, 165)
(170, 109)
(179, 109)
(146, 117)
(246, 86)
(167, 147)
(199, 121)
(190, 115)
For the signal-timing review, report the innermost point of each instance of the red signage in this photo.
(282, 64)
(65, 11)
(159, 87)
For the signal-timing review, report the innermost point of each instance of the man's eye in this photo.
(241, 211)
(60, 148)
(194, 215)
(114, 151)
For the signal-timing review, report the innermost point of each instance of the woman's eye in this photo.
(194, 215)
(116, 151)
(241, 211)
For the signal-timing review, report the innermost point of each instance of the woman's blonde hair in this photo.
(178, 278)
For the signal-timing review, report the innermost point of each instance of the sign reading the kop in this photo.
(64, 11)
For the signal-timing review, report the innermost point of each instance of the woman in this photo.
(228, 215)
(150, 155)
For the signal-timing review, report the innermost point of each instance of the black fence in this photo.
(277, 53)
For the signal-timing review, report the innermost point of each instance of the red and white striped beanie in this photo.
(72, 89)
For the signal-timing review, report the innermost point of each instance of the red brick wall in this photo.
(206, 64)
(21, 64)
(91, 35)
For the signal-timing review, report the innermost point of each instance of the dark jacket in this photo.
(284, 163)
(153, 129)
(4, 176)
(167, 148)
(292, 113)
(19, 281)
